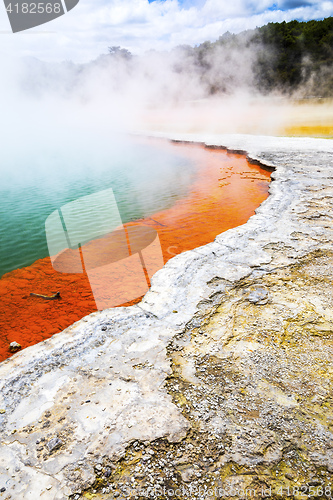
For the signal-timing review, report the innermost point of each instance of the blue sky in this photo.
(141, 25)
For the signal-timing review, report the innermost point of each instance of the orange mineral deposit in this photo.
(225, 193)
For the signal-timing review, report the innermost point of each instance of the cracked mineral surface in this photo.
(217, 385)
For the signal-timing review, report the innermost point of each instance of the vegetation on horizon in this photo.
(284, 57)
(293, 59)
(302, 53)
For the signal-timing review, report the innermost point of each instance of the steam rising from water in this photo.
(57, 113)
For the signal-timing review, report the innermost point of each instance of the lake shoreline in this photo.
(28, 320)
(200, 382)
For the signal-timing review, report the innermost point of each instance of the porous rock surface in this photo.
(218, 384)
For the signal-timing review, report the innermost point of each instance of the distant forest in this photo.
(294, 57)
(302, 51)
(285, 57)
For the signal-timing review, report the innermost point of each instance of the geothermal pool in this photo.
(145, 177)
(189, 194)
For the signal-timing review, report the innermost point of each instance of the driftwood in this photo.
(47, 297)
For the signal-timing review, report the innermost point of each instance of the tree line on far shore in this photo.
(294, 57)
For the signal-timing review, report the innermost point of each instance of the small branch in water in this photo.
(46, 297)
(160, 223)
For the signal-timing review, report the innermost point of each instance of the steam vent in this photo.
(219, 384)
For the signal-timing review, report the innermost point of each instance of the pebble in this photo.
(257, 295)
(54, 444)
(14, 346)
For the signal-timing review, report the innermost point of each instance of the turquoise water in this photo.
(145, 176)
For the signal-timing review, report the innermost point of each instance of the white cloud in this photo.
(138, 25)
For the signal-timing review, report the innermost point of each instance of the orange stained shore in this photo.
(225, 193)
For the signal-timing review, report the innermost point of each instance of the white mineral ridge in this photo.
(99, 385)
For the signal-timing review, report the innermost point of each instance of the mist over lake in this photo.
(145, 178)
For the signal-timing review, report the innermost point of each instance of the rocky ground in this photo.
(219, 384)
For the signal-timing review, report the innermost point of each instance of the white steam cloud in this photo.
(49, 109)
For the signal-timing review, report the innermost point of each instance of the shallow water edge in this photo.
(224, 193)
